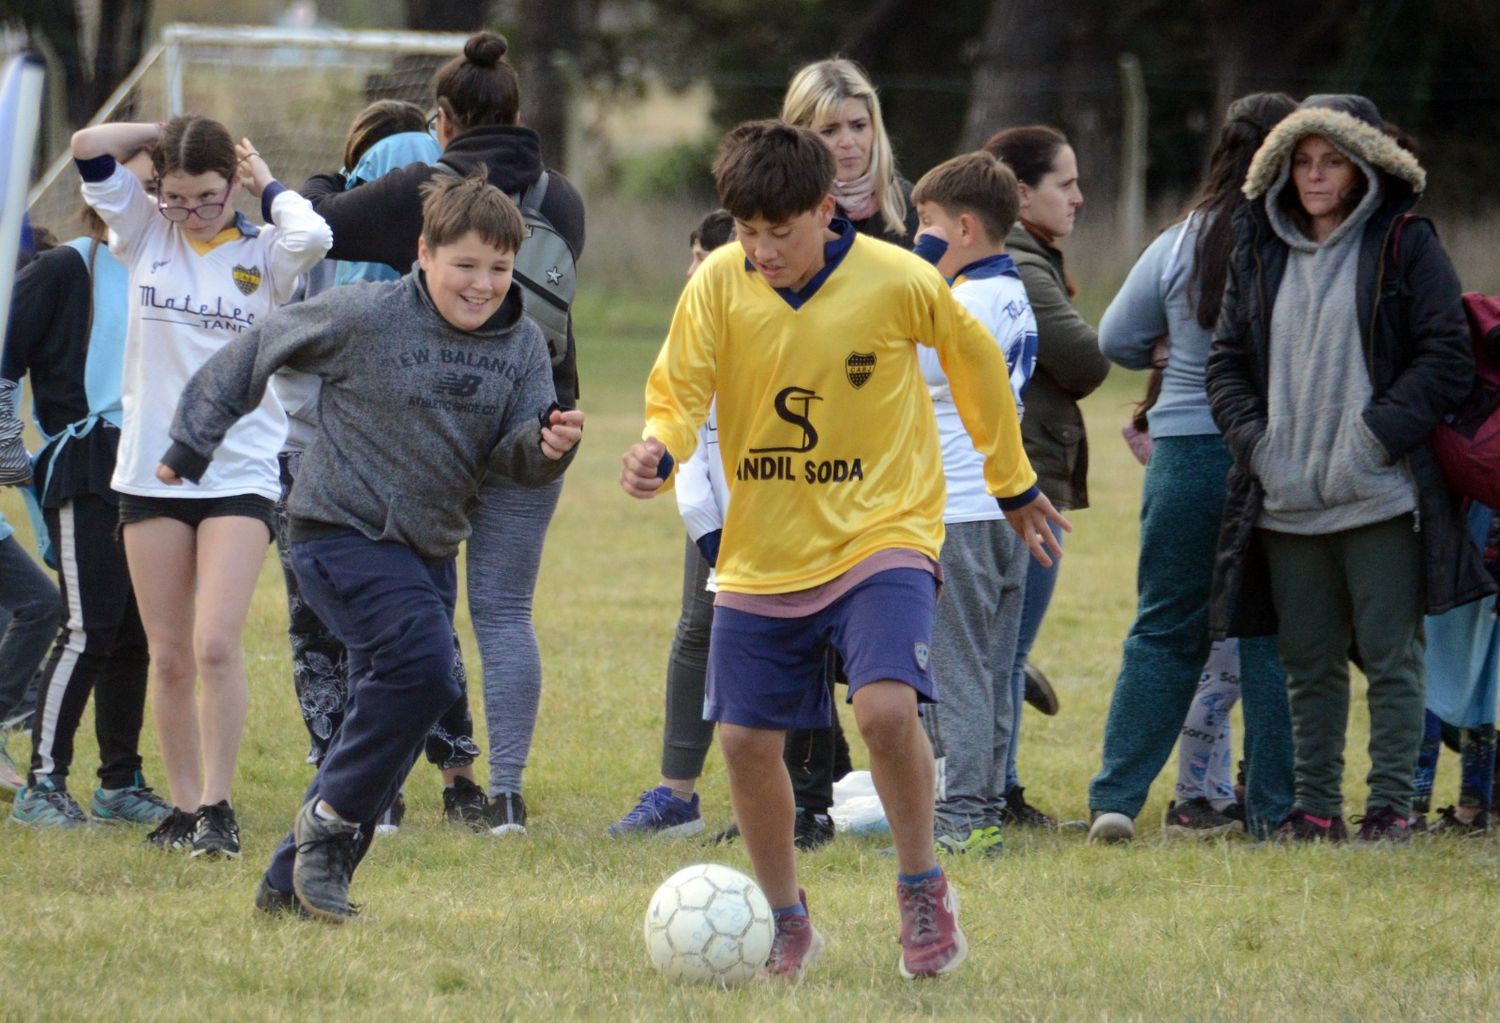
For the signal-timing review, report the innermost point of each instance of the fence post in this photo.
(1132, 212)
(172, 94)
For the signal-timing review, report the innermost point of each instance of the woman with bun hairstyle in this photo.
(1069, 366)
(1340, 344)
(478, 98)
(1174, 291)
(835, 99)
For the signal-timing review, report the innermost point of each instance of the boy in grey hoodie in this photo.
(428, 384)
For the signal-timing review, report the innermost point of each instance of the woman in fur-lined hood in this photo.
(1340, 345)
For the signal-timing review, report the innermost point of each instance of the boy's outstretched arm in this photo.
(1030, 521)
(647, 465)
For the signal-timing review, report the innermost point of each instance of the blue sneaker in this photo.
(47, 805)
(136, 803)
(660, 812)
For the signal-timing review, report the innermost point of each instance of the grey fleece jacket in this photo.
(413, 412)
(1322, 469)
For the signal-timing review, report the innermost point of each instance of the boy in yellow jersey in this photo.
(807, 334)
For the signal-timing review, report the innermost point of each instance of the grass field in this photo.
(460, 927)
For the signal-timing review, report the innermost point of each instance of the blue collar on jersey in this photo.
(998, 265)
(833, 254)
(246, 228)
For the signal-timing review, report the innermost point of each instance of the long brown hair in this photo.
(1246, 123)
(380, 120)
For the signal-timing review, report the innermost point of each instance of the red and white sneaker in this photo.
(931, 941)
(795, 947)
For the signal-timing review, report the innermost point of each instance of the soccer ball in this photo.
(709, 923)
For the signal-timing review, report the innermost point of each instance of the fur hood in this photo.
(1354, 135)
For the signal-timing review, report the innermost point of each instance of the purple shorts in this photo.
(769, 672)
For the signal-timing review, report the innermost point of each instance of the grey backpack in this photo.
(544, 267)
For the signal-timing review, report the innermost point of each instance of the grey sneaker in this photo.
(175, 832)
(216, 832)
(47, 805)
(505, 814)
(326, 853)
(1111, 828)
(136, 803)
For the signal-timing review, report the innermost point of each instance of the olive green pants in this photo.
(1360, 589)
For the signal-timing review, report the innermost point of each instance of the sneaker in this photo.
(136, 803)
(11, 778)
(985, 841)
(1448, 823)
(812, 830)
(1382, 825)
(390, 821)
(1039, 691)
(464, 803)
(662, 812)
(1197, 818)
(1021, 814)
(931, 941)
(795, 947)
(1301, 826)
(505, 814)
(270, 902)
(47, 805)
(1111, 828)
(216, 833)
(175, 832)
(326, 854)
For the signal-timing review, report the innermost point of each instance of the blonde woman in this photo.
(836, 101)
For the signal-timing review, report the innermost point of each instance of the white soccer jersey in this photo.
(702, 491)
(187, 301)
(992, 291)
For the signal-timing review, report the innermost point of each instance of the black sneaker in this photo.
(1022, 814)
(464, 803)
(1197, 818)
(1383, 825)
(812, 830)
(1039, 691)
(216, 832)
(175, 833)
(729, 834)
(270, 902)
(326, 853)
(1301, 826)
(505, 814)
(1448, 823)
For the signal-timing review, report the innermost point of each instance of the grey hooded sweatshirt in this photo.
(1322, 469)
(413, 412)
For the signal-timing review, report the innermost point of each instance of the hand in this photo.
(1161, 352)
(253, 170)
(562, 433)
(930, 231)
(641, 462)
(167, 476)
(1031, 523)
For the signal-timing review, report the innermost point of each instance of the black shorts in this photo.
(193, 510)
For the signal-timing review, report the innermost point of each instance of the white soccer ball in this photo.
(709, 923)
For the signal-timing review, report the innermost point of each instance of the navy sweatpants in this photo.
(393, 610)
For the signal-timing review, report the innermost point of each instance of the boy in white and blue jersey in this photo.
(966, 207)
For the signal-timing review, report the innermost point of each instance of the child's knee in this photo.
(746, 748)
(217, 650)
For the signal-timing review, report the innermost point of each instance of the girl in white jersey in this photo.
(200, 274)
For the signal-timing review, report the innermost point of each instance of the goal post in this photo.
(292, 92)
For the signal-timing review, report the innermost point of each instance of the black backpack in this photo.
(544, 266)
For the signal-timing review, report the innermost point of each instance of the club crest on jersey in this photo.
(859, 367)
(246, 278)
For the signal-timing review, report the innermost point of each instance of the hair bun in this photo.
(485, 49)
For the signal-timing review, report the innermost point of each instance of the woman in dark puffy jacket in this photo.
(1340, 345)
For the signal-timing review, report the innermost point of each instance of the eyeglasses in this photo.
(207, 211)
(432, 123)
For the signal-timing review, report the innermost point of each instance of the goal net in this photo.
(292, 92)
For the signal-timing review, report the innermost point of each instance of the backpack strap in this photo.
(534, 195)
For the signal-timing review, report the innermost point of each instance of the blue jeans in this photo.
(31, 612)
(1040, 582)
(1181, 509)
(393, 611)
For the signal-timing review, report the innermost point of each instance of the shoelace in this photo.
(647, 809)
(341, 849)
(177, 827)
(919, 902)
(60, 802)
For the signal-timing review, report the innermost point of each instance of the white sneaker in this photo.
(1111, 828)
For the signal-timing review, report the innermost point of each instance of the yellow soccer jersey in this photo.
(826, 429)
